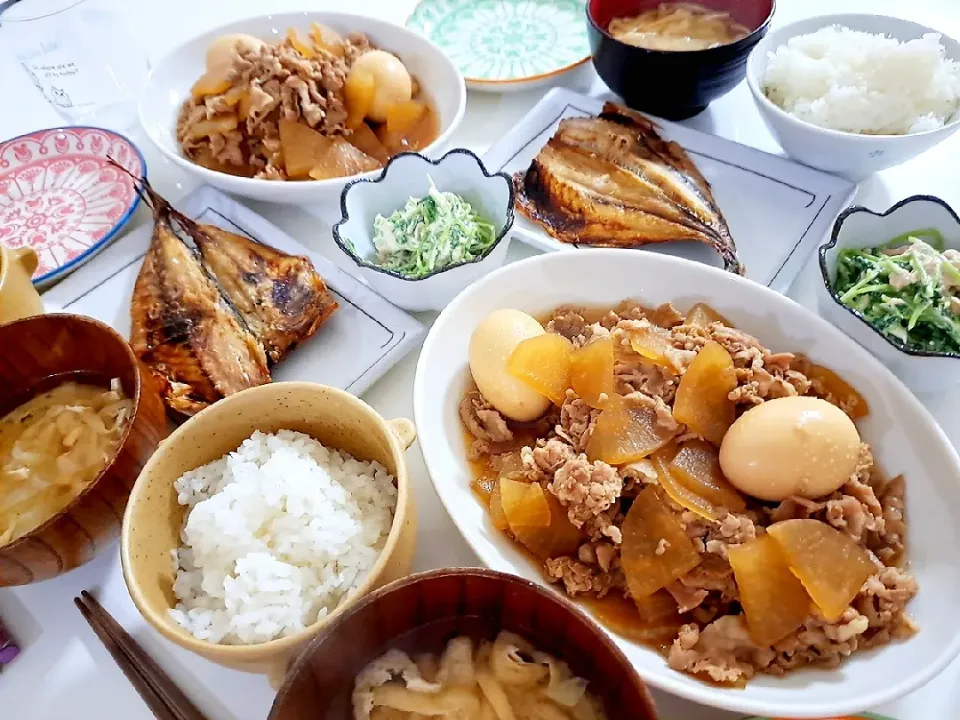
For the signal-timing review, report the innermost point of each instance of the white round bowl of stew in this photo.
(441, 85)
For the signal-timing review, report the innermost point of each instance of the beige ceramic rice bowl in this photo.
(154, 518)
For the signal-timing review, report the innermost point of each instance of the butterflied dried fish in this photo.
(612, 181)
(184, 330)
(208, 321)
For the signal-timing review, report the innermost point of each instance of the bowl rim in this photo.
(135, 397)
(240, 183)
(789, 31)
(345, 244)
(120, 223)
(425, 394)
(744, 43)
(504, 578)
(520, 82)
(262, 652)
(832, 243)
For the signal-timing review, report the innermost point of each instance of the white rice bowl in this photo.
(858, 82)
(277, 534)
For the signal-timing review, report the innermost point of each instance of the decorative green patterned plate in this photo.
(502, 45)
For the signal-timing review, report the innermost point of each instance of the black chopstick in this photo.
(162, 696)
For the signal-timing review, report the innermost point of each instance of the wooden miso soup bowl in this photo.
(154, 518)
(422, 612)
(37, 354)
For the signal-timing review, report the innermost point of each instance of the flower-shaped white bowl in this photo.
(408, 175)
(905, 439)
(851, 155)
(858, 227)
(172, 77)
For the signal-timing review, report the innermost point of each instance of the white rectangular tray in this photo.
(363, 339)
(778, 210)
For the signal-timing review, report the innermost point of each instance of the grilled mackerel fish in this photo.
(184, 330)
(612, 181)
(280, 297)
(208, 322)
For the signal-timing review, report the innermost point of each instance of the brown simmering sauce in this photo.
(613, 611)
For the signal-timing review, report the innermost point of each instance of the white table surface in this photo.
(64, 672)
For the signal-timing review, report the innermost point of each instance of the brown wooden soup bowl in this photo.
(36, 354)
(422, 612)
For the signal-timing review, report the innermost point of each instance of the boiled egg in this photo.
(391, 81)
(491, 344)
(790, 446)
(225, 49)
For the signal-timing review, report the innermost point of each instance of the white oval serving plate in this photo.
(904, 436)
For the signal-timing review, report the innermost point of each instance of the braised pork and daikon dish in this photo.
(499, 680)
(702, 493)
(305, 107)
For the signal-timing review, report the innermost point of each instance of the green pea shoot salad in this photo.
(907, 288)
(431, 233)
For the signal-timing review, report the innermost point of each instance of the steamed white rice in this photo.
(856, 82)
(278, 534)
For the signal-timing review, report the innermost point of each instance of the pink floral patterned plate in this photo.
(60, 195)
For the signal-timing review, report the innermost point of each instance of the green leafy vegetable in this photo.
(431, 233)
(908, 289)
